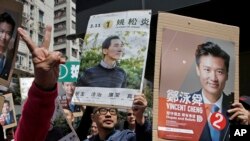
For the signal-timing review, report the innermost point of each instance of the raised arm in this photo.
(39, 107)
(143, 128)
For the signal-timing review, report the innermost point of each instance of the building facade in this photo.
(65, 24)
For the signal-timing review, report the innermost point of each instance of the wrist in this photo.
(50, 87)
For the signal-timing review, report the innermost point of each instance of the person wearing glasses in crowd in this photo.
(106, 119)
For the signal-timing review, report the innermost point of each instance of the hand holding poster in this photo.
(113, 61)
(197, 78)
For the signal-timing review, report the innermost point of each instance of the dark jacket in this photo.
(142, 133)
(224, 134)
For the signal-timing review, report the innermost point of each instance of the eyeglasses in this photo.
(104, 111)
(129, 114)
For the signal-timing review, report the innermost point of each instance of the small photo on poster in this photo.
(10, 20)
(7, 114)
(66, 92)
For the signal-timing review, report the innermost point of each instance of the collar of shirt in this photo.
(105, 65)
(217, 103)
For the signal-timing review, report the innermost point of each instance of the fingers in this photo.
(237, 104)
(139, 102)
(55, 58)
(26, 39)
(47, 37)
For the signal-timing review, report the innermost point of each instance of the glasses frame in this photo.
(104, 111)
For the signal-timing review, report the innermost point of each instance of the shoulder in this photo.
(196, 92)
(124, 134)
(92, 69)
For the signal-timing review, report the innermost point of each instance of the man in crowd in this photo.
(106, 119)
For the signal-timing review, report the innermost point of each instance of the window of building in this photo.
(20, 59)
(40, 39)
(60, 40)
(73, 11)
(74, 52)
(60, 26)
(60, 13)
(31, 33)
(30, 62)
(41, 16)
(31, 11)
(73, 25)
(63, 51)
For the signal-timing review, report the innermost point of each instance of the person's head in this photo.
(105, 118)
(112, 48)
(7, 26)
(69, 88)
(9, 134)
(212, 68)
(130, 117)
(93, 129)
(6, 107)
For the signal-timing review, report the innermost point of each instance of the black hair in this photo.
(5, 17)
(210, 48)
(106, 43)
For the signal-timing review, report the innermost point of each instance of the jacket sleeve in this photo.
(144, 132)
(36, 115)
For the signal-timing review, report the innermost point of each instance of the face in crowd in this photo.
(94, 129)
(69, 88)
(105, 118)
(130, 117)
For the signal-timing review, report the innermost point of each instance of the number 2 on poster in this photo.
(218, 121)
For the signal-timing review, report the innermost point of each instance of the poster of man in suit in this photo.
(7, 114)
(10, 20)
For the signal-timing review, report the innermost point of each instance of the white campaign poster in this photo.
(25, 84)
(113, 59)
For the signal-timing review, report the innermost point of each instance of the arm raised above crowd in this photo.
(39, 107)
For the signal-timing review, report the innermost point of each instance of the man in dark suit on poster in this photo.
(212, 68)
(7, 116)
(7, 26)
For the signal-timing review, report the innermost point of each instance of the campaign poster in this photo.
(69, 71)
(25, 84)
(8, 114)
(198, 80)
(10, 20)
(66, 92)
(113, 59)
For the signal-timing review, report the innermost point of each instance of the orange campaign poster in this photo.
(197, 82)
